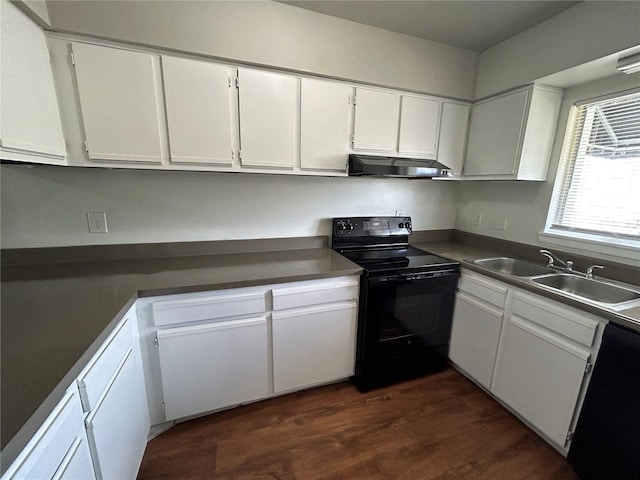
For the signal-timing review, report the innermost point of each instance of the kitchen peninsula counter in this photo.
(56, 315)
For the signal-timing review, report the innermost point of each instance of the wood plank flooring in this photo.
(436, 427)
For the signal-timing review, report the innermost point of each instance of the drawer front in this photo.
(314, 293)
(485, 290)
(574, 325)
(49, 446)
(222, 305)
(94, 379)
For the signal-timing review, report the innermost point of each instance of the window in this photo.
(597, 195)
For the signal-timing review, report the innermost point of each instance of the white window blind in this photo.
(599, 192)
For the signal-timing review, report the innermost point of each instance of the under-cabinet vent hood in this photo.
(373, 165)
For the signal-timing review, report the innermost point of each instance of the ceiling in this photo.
(474, 25)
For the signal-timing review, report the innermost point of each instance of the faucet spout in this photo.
(568, 264)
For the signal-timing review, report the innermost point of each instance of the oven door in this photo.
(405, 313)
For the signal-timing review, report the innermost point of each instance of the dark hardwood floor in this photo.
(437, 427)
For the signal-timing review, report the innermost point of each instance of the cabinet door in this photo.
(268, 119)
(49, 448)
(474, 338)
(77, 463)
(118, 427)
(419, 127)
(495, 135)
(211, 366)
(30, 129)
(324, 125)
(376, 121)
(313, 345)
(539, 375)
(199, 97)
(453, 136)
(119, 102)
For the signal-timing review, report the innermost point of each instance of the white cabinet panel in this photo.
(199, 98)
(313, 292)
(376, 120)
(325, 111)
(419, 127)
(494, 135)
(119, 102)
(540, 375)
(221, 304)
(268, 119)
(483, 288)
(118, 427)
(474, 338)
(211, 366)
(48, 448)
(511, 135)
(77, 464)
(95, 378)
(30, 129)
(454, 125)
(313, 345)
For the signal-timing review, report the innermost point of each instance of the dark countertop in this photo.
(55, 316)
(629, 318)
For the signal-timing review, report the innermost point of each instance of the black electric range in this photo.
(406, 300)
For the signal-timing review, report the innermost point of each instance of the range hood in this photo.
(374, 165)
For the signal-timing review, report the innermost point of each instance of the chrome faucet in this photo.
(568, 264)
(589, 273)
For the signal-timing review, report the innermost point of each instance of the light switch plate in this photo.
(499, 223)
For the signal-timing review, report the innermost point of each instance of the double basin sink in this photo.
(572, 284)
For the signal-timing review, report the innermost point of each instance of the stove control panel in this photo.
(371, 226)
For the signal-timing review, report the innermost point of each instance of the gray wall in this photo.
(47, 206)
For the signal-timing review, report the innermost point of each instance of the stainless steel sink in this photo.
(513, 266)
(588, 288)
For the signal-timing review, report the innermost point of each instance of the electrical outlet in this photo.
(499, 223)
(97, 222)
(477, 220)
(399, 212)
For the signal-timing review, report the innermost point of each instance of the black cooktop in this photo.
(374, 259)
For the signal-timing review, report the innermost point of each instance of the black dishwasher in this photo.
(606, 444)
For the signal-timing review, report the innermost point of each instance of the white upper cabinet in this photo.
(269, 119)
(419, 127)
(325, 115)
(511, 135)
(199, 98)
(395, 124)
(376, 121)
(30, 129)
(454, 125)
(119, 98)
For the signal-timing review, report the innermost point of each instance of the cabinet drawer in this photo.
(313, 293)
(485, 290)
(95, 378)
(563, 320)
(223, 304)
(50, 445)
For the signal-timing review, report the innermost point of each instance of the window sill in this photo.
(627, 254)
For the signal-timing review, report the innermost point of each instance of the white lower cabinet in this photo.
(213, 350)
(59, 445)
(119, 425)
(211, 366)
(539, 375)
(113, 393)
(532, 353)
(313, 345)
(475, 335)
